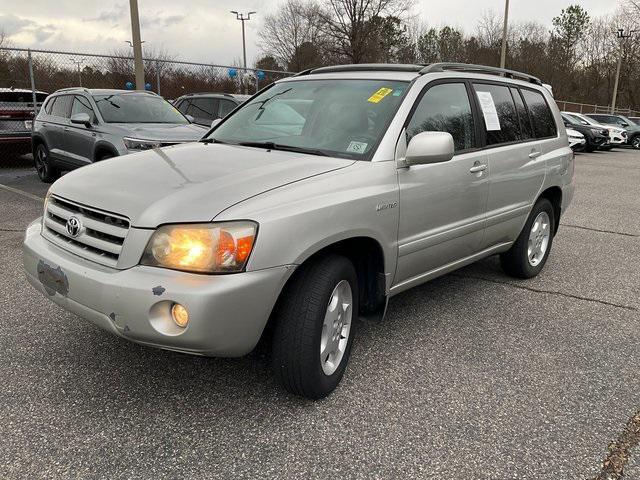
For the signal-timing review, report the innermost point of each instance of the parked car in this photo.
(396, 175)
(78, 126)
(16, 118)
(596, 137)
(577, 141)
(635, 120)
(617, 135)
(204, 108)
(633, 130)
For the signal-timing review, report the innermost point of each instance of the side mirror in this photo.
(429, 147)
(190, 118)
(82, 119)
(215, 122)
(624, 124)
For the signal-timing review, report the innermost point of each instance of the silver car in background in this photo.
(79, 126)
(307, 208)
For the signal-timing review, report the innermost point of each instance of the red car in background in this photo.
(16, 118)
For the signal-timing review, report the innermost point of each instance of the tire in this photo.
(47, 172)
(589, 148)
(635, 142)
(521, 262)
(302, 315)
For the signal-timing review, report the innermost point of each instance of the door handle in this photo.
(535, 154)
(478, 168)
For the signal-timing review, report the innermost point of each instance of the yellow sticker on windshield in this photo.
(380, 94)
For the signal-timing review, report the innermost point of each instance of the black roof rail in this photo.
(468, 67)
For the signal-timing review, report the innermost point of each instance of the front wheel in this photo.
(529, 253)
(44, 168)
(635, 142)
(315, 327)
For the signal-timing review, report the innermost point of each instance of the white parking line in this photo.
(21, 192)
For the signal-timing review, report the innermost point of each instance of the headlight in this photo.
(202, 248)
(139, 144)
(575, 137)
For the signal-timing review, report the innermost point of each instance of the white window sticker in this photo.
(489, 111)
(357, 147)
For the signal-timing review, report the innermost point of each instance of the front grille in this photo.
(101, 234)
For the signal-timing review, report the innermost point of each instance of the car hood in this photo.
(164, 132)
(192, 182)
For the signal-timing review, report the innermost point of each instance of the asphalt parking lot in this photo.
(472, 376)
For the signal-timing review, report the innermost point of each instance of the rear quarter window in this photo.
(543, 123)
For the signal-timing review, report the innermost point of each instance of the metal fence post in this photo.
(158, 77)
(33, 82)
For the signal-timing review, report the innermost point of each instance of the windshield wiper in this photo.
(212, 140)
(285, 148)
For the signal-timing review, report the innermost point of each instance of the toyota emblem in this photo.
(73, 226)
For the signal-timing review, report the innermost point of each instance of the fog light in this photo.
(180, 315)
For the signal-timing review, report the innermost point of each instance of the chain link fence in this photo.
(28, 75)
(594, 108)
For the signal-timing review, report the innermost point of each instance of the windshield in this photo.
(137, 108)
(579, 120)
(344, 118)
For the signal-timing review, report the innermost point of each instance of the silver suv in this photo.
(78, 126)
(306, 209)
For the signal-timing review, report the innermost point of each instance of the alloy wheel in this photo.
(539, 237)
(336, 327)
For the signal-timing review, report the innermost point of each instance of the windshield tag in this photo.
(357, 147)
(379, 95)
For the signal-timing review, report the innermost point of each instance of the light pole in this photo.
(621, 36)
(243, 18)
(136, 44)
(503, 53)
(79, 62)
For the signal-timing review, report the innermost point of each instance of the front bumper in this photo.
(227, 313)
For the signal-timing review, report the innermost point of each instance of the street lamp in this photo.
(79, 62)
(242, 18)
(621, 36)
(503, 52)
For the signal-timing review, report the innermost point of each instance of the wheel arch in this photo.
(101, 148)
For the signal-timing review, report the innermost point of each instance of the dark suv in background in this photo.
(633, 130)
(78, 126)
(16, 117)
(204, 108)
(596, 137)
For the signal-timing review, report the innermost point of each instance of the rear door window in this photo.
(445, 108)
(182, 106)
(497, 100)
(526, 130)
(543, 123)
(62, 106)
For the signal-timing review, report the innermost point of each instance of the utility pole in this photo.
(79, 62)
(243, 18)
(503, 53)
(621, 36)
(137, 44)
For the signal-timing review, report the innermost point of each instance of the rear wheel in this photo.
(47, 172)
(315, 326)
(529, 253)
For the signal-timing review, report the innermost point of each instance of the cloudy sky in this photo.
(204, 30)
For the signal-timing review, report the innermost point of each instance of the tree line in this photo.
(577, 54)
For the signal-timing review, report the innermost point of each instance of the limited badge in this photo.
(357, 147)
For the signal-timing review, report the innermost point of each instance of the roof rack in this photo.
(363, 67)
(468, 67)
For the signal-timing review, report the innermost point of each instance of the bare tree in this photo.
(349, 24)
(284, 33)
